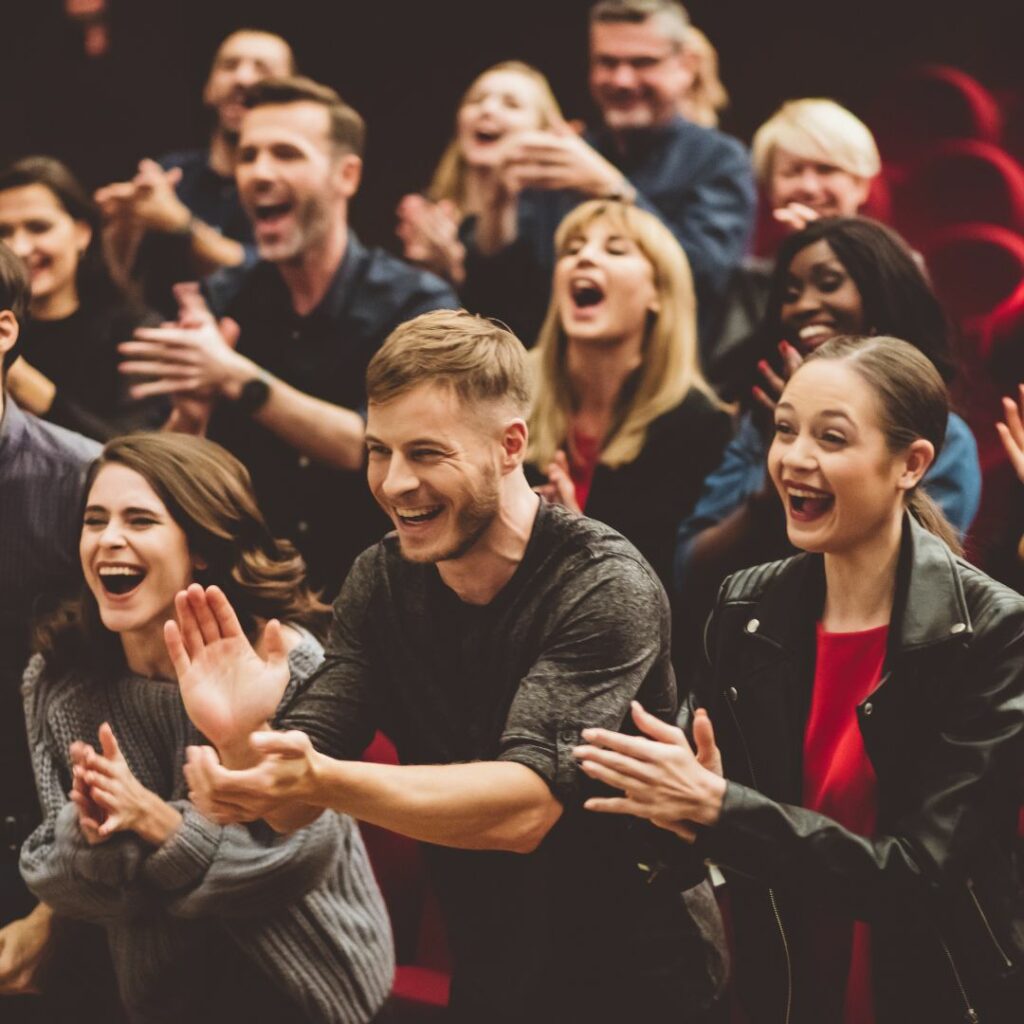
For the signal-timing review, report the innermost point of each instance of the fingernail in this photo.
(587, 734)
(762, 365)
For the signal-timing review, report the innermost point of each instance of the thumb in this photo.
(560, 127)
(108, 741)
(229, 331)
(191, 304)
(285, 744)
(273, 643)
(708, 753)
(173, 176)
(562, 461)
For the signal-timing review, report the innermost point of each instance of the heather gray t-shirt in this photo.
(581, 629)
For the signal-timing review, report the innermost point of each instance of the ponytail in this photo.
(927, 512)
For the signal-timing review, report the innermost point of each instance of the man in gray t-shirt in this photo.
(482, 636)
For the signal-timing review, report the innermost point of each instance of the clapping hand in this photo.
(430, 236)
(661, 777)
(105, 783)
(229, 691)
(775, 384)
(558, 158)
(560, 489)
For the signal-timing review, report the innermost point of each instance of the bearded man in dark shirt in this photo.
(482, 636)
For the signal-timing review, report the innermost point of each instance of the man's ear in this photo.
(8, 331)
(348, 173)
(514, 441)
(920, 455)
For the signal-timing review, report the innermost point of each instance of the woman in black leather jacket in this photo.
(868, 697)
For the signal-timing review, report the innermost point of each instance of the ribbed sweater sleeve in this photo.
(95, 883)
(240, 871)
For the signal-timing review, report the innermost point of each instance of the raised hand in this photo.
(775, 384)
(229, 691)
(796, 216)
(430, 236)
(128, 806)
(1011, 431)
(560, 490)
(558, 158)
(661, 777)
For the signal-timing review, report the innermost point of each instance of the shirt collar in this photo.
(338, 293)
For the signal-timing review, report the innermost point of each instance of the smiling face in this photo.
(825, 188)
(244, 59)
(292, 181)
(49, 241)
(638, 76)
(821, 300)
(499, 104)
(604, 284)
(840, 484)
(135, 557)
(435, 468)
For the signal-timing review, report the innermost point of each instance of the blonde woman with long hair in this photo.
(507, 98)
(623, 424)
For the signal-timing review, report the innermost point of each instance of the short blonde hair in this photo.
(449, 180)
(816, 129)
(670, 366)
(479, 359)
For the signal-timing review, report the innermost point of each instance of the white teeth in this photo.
(799, 492)
(814, 330)
(120, 570)
(416, 513)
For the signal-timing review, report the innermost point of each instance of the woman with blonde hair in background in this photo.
(706, 95)
(507, 98)
(623, 425)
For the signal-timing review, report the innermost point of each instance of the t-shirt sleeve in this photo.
(608, 636)
(338, 706)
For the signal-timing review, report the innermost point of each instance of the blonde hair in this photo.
(480, 360)
(670, 366)
(816, 129)
(706, 96)
(449, 180)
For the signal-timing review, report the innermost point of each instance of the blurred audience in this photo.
(706, 97)
(68, 372)
(623, 425)
(838, 276)
(307, 318)
(812, 158)
(508, 98)
(696, 180)
(180, 216)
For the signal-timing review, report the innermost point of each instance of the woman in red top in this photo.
(868, 697)
(623, 425)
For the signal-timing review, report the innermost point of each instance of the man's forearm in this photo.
(484, 805)
(211, 249)
(321, 430)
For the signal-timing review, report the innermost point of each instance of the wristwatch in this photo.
(253, 396)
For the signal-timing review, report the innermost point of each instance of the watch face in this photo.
(254, 393)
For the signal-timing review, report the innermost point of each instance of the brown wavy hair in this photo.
(208, 493)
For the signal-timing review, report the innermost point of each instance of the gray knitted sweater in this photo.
(218, 918)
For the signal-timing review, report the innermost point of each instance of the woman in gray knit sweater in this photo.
(205, 922)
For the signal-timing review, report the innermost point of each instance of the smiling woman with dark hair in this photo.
(839, 275)
(204, 922)
(77, 314)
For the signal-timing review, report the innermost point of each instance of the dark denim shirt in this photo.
(696, 180)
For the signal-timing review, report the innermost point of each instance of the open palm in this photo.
(229, 691)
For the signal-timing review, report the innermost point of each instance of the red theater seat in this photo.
(960, 181)
(423, 977)
(978, 273)
(930, 104)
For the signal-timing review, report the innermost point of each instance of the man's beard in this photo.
(311, 223)
(472, 522)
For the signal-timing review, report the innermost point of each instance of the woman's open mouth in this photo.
(120, 580)
(806, 504)
(585, 293)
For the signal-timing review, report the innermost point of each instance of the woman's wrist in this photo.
(159, 821)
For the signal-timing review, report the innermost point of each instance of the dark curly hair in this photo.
(208, 493)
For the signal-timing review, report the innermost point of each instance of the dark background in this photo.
(404, 63)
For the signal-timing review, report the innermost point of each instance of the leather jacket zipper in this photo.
(971, 1014)
(771, 892)
(984, 920)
